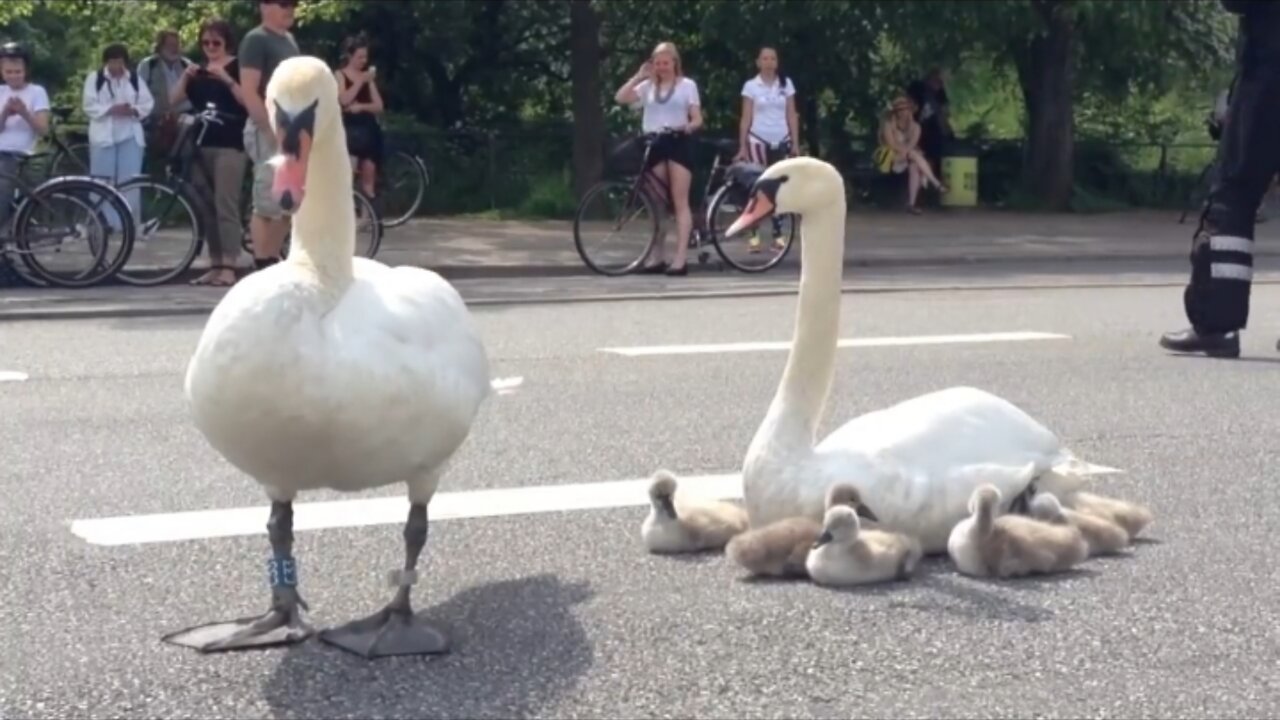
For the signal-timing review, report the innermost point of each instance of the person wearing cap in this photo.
(24, 119)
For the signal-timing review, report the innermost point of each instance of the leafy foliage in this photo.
(1140, 70)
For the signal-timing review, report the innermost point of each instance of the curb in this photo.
(114, 311)
(499, 272)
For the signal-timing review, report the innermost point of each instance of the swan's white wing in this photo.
(932, 451)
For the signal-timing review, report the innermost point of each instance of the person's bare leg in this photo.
(368, 177)
(680, 181)
(268, 236)
(919, 160)
(657, 185)
(913, 186)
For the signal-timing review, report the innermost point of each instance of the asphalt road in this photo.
(565, 615)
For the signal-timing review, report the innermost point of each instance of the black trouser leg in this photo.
(1217, 298)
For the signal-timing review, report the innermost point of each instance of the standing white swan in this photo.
(328, 371)
(915, 463)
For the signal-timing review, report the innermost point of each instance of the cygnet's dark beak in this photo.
(865, 512)
(668, 505)
(823, 539)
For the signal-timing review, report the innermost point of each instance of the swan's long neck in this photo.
(324, 229)
(792, 420)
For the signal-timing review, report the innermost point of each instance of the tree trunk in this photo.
(1046, 74)
(588, 111)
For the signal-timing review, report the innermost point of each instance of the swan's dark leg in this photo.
(394, 630)
(284, 624)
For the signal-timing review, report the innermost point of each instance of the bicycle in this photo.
(66, 159)
(731, 182)
(402, 177)
(45, 217)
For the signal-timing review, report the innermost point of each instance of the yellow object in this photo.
(883, 158)
(960, 175)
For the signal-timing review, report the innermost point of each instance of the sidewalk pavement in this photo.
(465, 247)
(542, 254)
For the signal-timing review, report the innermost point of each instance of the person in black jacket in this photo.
(1217, 297)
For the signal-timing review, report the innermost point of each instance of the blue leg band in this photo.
(283, 571)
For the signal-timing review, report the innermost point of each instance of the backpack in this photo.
(102, 80)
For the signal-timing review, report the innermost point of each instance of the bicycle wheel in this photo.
(402, 185)
(614, 210)
(754, 250)
(61, 235)
(369, 226)
(368, 229)
(171, 227)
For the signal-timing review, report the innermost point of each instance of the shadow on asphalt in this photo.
(516, 648)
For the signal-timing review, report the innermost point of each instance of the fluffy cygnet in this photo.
(687, 527)
(984, 545)
(780, 548)
(845, 554)
(1103, 536)
(1130, 516)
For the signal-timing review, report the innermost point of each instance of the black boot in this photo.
(1211, 344)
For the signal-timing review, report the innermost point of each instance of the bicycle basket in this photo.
(626, 159)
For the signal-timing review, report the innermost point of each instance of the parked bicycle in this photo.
(609, 206)
(175, 216)
(49, 221)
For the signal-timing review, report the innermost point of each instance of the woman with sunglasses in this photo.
(219, 171)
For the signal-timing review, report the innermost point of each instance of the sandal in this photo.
(211, 278)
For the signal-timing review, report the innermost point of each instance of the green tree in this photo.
(1061, 49)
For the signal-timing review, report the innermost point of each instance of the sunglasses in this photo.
(211, 43)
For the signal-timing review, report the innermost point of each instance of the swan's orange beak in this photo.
(756, 210)
(290, 182)
(294, 134)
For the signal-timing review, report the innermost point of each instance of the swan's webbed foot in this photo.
(284, 624)
(391, 631)
(394, 630)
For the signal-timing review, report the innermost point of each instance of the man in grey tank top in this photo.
(261, 51)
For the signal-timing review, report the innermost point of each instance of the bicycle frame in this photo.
(660, 190)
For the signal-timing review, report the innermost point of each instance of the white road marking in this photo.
(506, 386)
(13, 376)
(1023, 336)
(201, 524)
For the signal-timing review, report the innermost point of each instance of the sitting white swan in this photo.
(328, 371)
(917, 462)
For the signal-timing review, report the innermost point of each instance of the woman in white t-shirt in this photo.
(670, 100)
(24, 118)
(770, 126)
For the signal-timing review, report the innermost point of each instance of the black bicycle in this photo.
(59, 232)
(613, 208)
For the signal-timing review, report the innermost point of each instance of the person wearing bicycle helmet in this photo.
(769, 128)
(24, 118)
(1216, 300)
(670, 100)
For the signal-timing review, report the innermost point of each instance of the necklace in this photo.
(657, 93)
